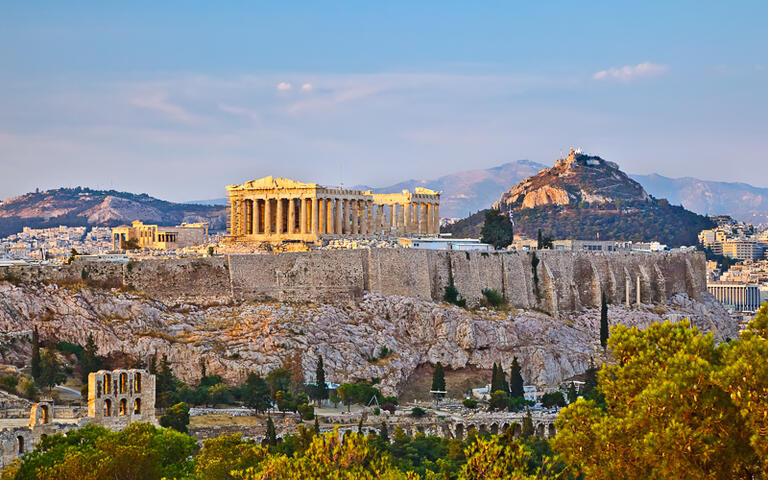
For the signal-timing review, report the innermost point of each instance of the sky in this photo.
(180, 98)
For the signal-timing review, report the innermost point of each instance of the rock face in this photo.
(576, 178)
(259, 336)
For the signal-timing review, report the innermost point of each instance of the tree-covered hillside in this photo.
(638, 222)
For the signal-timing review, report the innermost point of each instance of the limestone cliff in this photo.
(576, 178)
(258, 336)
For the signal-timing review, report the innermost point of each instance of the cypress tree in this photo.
(317, 426)
(495, 384)
(539, 240)
(527, 429)
(516, 380)
(603, 321)
(438, 378)
(503, 380)
(271, 438)
(320, 392)
(383, 434)
(360, 426)
(35, 362)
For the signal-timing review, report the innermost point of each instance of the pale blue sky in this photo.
(181, 98)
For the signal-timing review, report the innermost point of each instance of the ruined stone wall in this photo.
(564, 281)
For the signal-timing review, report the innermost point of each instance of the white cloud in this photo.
(159, 103)
(630, 72)
(284, 86)
(307, 87)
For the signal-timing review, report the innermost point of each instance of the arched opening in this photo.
(137, 406)
(123, 383)
(45, 414)
(494, 429)
(107, 408)
(483, 429)
(516, 429)
(459, 431)
(20, 440)
(107, 384)
(123, 406)
(137, 382)
(420, 429)
(505, 427)
(551, 430)
(540, 430)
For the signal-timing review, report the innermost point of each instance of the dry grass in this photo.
(224, 419)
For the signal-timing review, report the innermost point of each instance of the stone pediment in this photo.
(272, 183)
(425, 191)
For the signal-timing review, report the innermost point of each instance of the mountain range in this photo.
(85, 207)
(585, 197)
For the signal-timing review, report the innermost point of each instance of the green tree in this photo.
(490, 459)
(225, 453)
(499, 379)
(271, 437)
(452, 296)
(438, 381)
(553, 399)
(527, 429)
(90, 361)
(348, 393)
(497, 229)
(278, 379)
(516, 380)
(256, 393)
(499, 400)
(219, 394)
(35, 364)
(320, 392)
(176, 417)
(51, 373)
(670, 391)
(572, 394)
(603, 320)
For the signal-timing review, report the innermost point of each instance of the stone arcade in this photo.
(277, 209)
(115, 400)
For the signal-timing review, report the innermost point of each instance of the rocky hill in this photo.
(583, 197)
(260, 336)
(86, 207)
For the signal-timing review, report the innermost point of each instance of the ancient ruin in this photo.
(161, 238)
(278, 209)
(115, 400)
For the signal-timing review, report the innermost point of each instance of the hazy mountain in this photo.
(470, 190)
(583, 197)
(84, 207)
(739, 200)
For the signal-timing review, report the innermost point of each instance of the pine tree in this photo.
(153, 364)
(590, 378)
(572, 395)
(320, 391)
(271, 438)
(50, 370)
(515, 380)
(35, 362)
(603, 321)
(360, 425)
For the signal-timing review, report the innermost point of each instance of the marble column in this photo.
(329, 223)
(302, 216)
(256, 216)
(437, 218)
(320, 216)
(339, 214)
(407, 220)
(423, 218)
(232, 218)
(291, 216)
(347, 217)
(268, 216)
(279, 217)
(369, 217)
(315, 223)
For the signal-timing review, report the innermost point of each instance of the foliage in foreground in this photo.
(676, 406)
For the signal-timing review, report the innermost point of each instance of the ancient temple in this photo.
(278, 209)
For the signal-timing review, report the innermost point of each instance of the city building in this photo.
(162, 238)
(279, 209)
(590, 245)
(442, 243)
(739, 297)
(743, 249)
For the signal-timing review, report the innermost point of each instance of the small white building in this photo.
(441, 243)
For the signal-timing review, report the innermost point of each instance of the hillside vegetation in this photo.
(640, 222)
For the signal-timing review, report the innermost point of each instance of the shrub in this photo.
(553, 399)
(307, 412)
(469, 403)
(389, 407)
(452, 296)
(176, 417)
(418, 412)
(492, 298)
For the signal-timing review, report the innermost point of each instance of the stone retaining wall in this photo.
(564, 281)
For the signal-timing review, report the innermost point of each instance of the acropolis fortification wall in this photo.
(567, 281)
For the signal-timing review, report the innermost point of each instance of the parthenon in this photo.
(276, 209)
